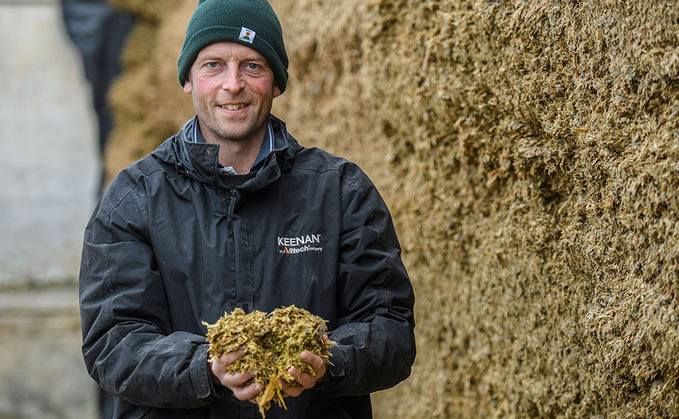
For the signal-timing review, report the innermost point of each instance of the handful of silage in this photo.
(271, 345)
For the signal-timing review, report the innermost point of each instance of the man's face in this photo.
(232, 87)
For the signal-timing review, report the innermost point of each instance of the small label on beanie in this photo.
(246, 35)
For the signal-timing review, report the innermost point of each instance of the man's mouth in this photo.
(234, 107)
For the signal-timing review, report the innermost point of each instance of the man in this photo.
(231, 212)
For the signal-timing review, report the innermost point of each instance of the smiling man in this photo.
(232, 212)
(232, 88)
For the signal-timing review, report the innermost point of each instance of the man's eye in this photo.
(213, 64)
(252, 66)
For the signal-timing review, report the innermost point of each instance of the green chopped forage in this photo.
(271, 344)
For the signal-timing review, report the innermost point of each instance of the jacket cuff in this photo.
(340, 367)
(201, 379)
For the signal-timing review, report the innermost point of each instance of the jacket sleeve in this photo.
(375, 335)
(128, 346)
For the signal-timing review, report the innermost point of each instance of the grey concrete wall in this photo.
(42, 374)
(48, 171)
(48, 159)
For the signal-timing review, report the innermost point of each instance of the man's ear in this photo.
(188, 88)
(276, 91)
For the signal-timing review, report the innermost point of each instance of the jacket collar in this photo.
(200, 161)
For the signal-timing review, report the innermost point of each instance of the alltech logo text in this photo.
(300, 244)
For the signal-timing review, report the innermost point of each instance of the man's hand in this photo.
(235, 382)
(304, 380)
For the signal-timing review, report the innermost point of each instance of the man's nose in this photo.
(233, 80)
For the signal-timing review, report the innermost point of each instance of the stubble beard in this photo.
(224, 129)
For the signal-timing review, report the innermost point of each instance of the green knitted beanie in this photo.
(252, 23)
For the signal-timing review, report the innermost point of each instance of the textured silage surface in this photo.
(541, 141)
(147, 101)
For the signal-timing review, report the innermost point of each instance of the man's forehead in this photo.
(230, 49)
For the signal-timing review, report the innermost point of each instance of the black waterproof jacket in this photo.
(172, 243)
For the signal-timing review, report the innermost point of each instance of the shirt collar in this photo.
(264, 150)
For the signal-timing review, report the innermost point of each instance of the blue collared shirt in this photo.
(264, 150)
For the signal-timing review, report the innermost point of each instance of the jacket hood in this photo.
(200, 161)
